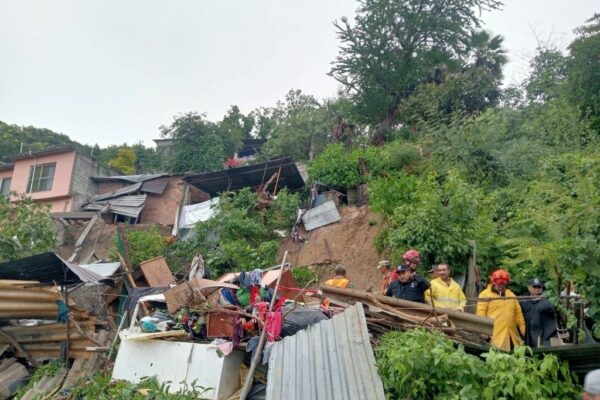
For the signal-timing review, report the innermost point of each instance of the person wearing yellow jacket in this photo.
(444, 291)
(509, 324)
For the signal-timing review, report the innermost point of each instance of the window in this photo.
(5, 186)
(41, 178)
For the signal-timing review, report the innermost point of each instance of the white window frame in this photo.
(44, 180)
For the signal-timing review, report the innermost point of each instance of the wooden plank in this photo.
(75, 215)
(155, 335)
(86, 231)
(157, 272)
(46, 387)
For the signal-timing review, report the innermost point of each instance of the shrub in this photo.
(419, 364)
(303, 275)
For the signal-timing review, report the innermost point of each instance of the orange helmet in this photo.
(412, 255)
(500, 277)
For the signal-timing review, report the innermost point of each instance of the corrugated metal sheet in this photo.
(124, 190)
(129, 206)
(128, 178)
(47, 268)
(325, 214)
(156, 186)
(103, 269)
(329, 360)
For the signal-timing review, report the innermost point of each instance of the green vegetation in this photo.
(25, 228)
(143, 245)
(419, 364)
(242, 236)
(303, 275)
(102, 387)
(49, 369)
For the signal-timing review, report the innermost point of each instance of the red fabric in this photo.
(254, 294)
(273, 325)
(278, 304)
(393, 276)
(262, 309)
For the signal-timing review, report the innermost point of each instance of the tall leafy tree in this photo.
(548, 71)
(124, 161)
(198, 147)
(234, 127)
(393, 46)
(583, 76)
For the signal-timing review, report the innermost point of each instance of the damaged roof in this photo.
(332, 359)
(47, 268)
(129, 178)
(233, 179)
(129, 206)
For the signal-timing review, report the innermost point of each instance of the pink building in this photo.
(59, 177)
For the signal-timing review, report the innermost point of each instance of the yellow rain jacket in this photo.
(338, 282)
(507, 316)
(446, 296)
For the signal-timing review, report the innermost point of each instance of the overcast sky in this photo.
(109, 72)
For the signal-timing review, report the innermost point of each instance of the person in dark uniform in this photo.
(540, 316)
(409, 286)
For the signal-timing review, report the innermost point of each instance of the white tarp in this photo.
(194, 213)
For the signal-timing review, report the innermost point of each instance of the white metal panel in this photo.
(180, 363)
(325, 214)
(103, 269)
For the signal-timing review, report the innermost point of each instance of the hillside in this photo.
(349, 242)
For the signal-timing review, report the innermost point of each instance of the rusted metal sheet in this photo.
(157, 272)
(332, 359)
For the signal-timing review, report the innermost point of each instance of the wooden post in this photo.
(472, 277)
(263, 336)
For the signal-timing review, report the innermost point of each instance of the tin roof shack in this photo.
(283, 171)
(148, 198)
(60, 177)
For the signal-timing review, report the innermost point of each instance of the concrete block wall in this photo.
(82, 187)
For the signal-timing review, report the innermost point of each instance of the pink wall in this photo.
(6, 174)
(62, 179)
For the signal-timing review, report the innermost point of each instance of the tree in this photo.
(25, 228)
(300, 128)
(124, 161)
(394, 46)
(548, 71)
(234, 127)
(198, 147)
(583, 70)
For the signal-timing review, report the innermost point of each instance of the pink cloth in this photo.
(273, 325)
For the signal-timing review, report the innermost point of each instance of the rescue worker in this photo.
(445, 292)
(411, 258)
(509, 324)
(540, 317)
(409, 286)
(591, 385)
(339, 277)
(385, 268)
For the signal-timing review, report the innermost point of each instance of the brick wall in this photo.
(162, 208)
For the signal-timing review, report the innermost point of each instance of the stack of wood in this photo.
(386, 314)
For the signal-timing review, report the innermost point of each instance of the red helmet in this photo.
(500, 277)
(412, 255)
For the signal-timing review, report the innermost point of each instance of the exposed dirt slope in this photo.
(349, 242)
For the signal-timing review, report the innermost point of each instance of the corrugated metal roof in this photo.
(47, 268)
(325, 214)
(128, 178)
(129, 206)
(156, 186)
(329, 360)
(103, 269)
(234, 179)
(124, 190)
